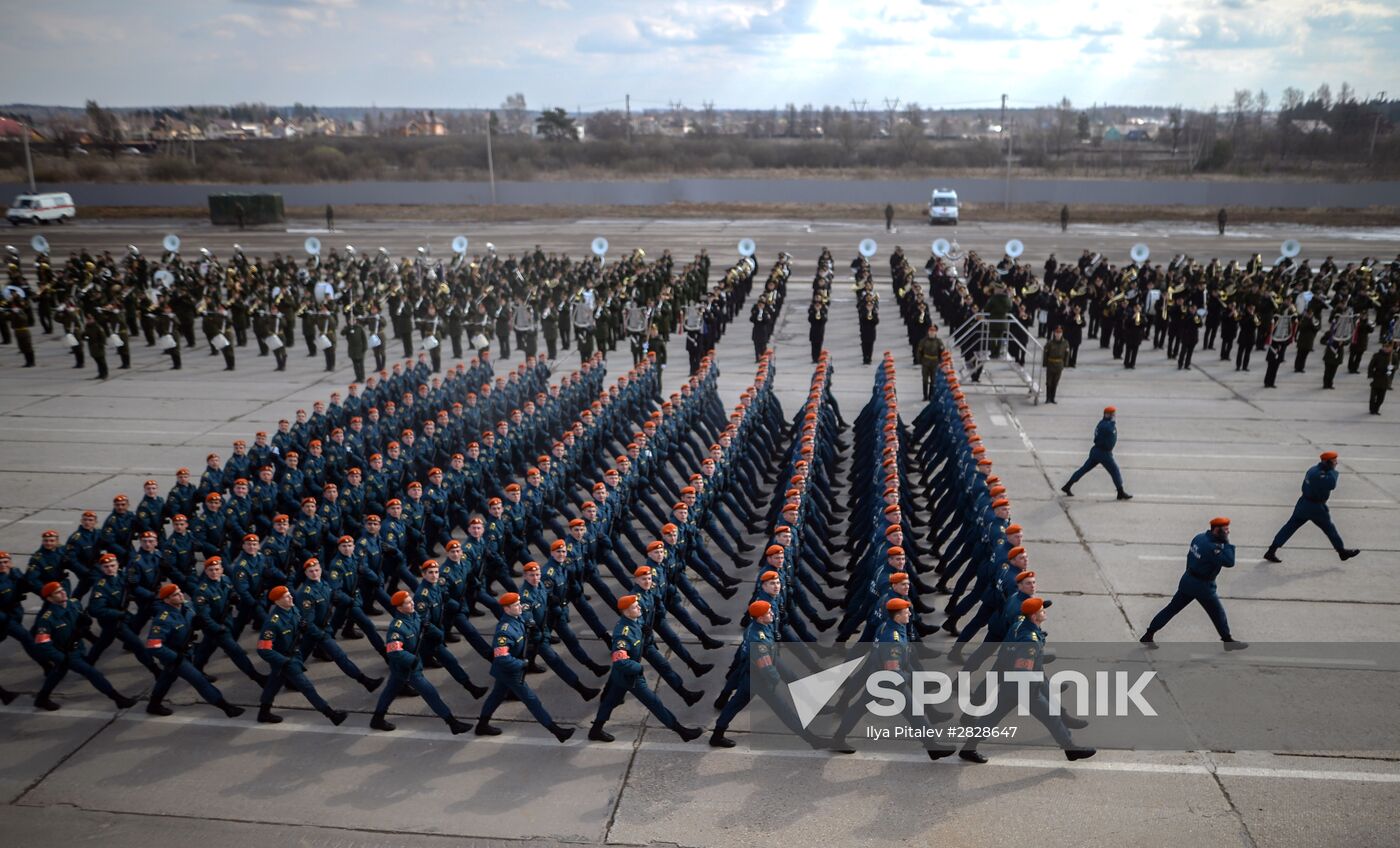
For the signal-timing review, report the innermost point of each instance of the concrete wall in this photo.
(661, 192)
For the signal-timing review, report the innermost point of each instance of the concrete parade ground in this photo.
(1192, 444)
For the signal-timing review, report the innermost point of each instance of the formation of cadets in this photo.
(436, 500)
(357, 301)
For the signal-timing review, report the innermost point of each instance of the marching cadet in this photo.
(628, 642)
(429, 601)
(508, 663)
(1318, 484)
(401, 648)
(1024, 650)
(169, 642)
(314, 598)
(212, 593)
(535, 602)
(1105, 438)
(374, 331)
(278, 645)
(1209, 552)
(58, 634)
(107, 605)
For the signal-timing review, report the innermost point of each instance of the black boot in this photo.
(159, 709)
(688, 734)
(370, 683)
(458, 726)
(588, 693)
(266, 716)
(6, 696)
(123, 702)
(561, 733)
(719, 740)
(378, 722)
(230, 710)
(48, 704)
(1272, 554)
(485, 728)
(597, 734)
(691, 697)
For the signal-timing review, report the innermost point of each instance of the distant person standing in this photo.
(1379, 371)
(1056, 357)
(238, 214)
(889, 217)
(1064, 218)
(330, 218)
(1220, 220)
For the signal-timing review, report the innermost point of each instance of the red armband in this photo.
(264, 644)
(1025, 665)
(892, 665)
(618, 656)
(43, 638)
(154, 643)
(392, 647)
(763, 662)
(501, 652)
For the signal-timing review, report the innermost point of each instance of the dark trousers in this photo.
(1190, 589)
(523, 693)
(292, 675)
(619, 684)
(1304, 512)
(429, 693)
(1097, 458)
(75, 662)
(183, 668)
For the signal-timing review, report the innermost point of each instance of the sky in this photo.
(590, 54)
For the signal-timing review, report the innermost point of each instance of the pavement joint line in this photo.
(33, 784)
(642, 745)
(1235, 456)
(1230, 800)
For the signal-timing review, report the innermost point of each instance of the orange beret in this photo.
(655, 546)
(668, 527)
(530, 566)
(773, 550)
(626, 602)
(432, 563)
(512, 487)
(895, 550)
(1109, 410)
(577, 522)
(508, 598)
(278, 592)
(897, 604)
(557, 545)
(167, 590)
(1328, 456)
(1000, 502)
(1031, 606)
(898, 577)
(49, 588)
(1220, 522)
(758, 609)
(642, 571)
(892, 529)
(1015, 552)
(1013, 528)
(399, 598)
(309, 563)
(768, 575)
(213, 560)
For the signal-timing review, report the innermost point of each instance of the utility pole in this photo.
(1375, 129)
(1002, 122)
(1008, 167)
(890, 106)
(858, 106)
(490, 164)
(629, 117)
(29, 163)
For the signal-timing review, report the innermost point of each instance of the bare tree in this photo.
(513, 109)
(1292, 99)
(1345, 94)
(1323, 95)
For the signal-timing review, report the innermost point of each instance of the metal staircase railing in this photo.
(983, 340)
